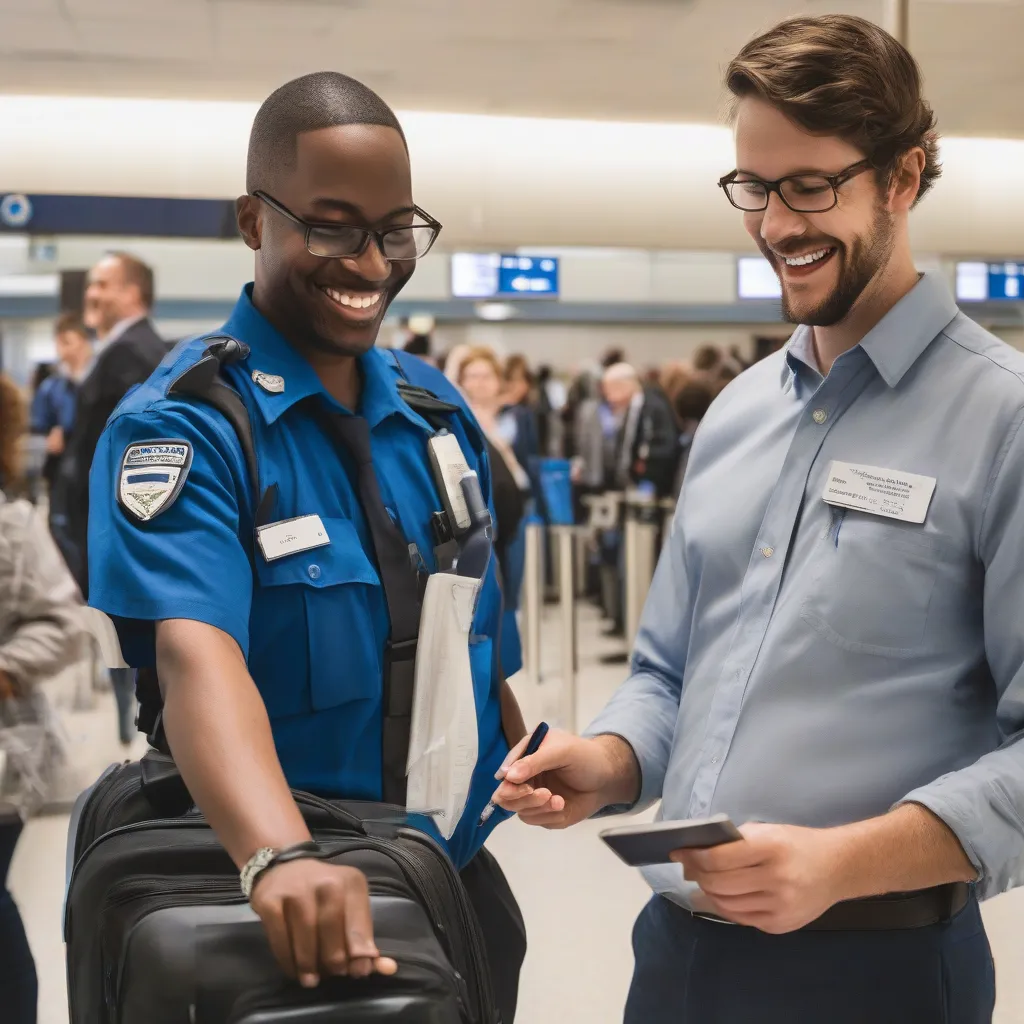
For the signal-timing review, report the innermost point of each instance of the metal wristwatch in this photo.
(258, 862)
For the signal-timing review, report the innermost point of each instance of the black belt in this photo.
(887, 913)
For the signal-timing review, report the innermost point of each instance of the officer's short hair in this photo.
(324, 99)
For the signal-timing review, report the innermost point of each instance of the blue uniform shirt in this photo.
(312, 625)
(803, 664)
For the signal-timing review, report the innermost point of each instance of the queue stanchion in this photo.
(565, 545)
(555, 480)
(581, 544)
(641, 538)
(533, 596)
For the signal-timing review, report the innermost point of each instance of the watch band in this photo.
(267, 857)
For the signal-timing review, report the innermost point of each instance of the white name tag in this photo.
(882, 492)
(290, 536)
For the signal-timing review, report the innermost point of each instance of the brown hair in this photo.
(137, 273)
(13, 418)
(518, 366)
(843, 76)
(481, 354)
(71, 322)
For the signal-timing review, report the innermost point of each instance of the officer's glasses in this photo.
(334, 241)
(802, 193)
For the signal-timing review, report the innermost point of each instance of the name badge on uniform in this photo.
(450, 467)
(290, 536)
(151, 477)
(880, 492)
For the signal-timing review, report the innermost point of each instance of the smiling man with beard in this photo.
(831, 653)
(275, 598)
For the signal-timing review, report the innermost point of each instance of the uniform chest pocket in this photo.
(872, 586)
(318, 627)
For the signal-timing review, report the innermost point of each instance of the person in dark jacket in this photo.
(118, 301)
(647, 447)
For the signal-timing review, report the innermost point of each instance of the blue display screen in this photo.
(980, 282)
(504, 276)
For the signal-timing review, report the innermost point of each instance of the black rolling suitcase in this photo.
(157, 929)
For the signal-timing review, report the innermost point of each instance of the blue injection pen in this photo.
(531, 748)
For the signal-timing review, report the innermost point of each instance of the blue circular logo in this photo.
(15, 210)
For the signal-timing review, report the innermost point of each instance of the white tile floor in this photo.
(579, 902)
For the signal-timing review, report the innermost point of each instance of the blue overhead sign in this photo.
(141, 216)
(504, 276)
(981, 282)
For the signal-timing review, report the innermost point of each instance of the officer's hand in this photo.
(318, 921)
(568, 779)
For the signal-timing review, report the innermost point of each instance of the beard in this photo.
(858, 264)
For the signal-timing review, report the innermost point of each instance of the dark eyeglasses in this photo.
(802, 193)
(334, 241)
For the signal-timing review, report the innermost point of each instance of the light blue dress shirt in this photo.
(812, 666)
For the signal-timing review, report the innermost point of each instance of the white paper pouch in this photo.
(443, 740)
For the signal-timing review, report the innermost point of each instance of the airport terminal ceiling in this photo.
(630, 60)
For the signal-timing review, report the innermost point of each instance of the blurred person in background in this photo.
(53, 404)
(612, 357)
(646, 444)
(419, 345)
(39, 633)
(453, 362)
(118, 302)
(689, 403)
(481, 381)
(36, 458)
(674, 377)
(518, 422)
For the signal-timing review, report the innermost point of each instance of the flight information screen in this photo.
(981, 282)
(477, 275)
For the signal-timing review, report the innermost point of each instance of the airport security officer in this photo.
(272, 652)
(832, 652)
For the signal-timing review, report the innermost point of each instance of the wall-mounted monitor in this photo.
(756, 279)
(982, 282)
(477, 275)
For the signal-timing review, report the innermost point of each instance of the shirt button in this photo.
(820, 415)
(314, 572)
(714, 760)
(767, 551)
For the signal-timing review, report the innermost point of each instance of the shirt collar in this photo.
(120, 327)
(895, 343)
(270, 353)
(900, 338)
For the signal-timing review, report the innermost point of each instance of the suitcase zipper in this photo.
(470, 926)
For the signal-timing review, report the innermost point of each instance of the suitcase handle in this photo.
(167, 794)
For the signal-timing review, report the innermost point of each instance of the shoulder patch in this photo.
(151, 476)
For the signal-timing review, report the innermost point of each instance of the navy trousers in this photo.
(694, 971)
(18, 985)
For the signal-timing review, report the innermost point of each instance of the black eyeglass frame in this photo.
(835, 180)
(368, 233)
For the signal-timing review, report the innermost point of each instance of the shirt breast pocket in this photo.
(314, 642)
(873, 585)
